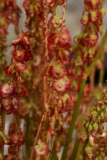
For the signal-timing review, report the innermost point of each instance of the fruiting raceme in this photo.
(12, 91)
(7, 17)
(94, 124)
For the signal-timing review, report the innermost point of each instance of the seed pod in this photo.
(86, 125)
(41, 148)
(18, 55)
(95, 126)
(94, 4)
(88, 151)
(102, 115)
(15, 138)
(12, 149)
(94, 115)
(94, 16)
(85, 20)
(6, 90)
(84, 136)
(102, 11)
(16, 42)
(90, 128)
(21, 66)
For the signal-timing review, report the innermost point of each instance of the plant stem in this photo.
(75, 150)
(75, 114)
(101, 77)
(53, 155)
(92, 78)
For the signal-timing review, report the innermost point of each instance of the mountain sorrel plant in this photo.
(48, 92)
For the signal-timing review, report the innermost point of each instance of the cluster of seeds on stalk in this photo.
(101, 149)
(85, 47)
(15, 88)
(94, 128)
(9, 13)
(12, 91)
(16, 138)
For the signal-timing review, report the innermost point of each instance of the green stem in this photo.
(77, 146)
(75, 114)
(101, 76)
(54, 156)
(75, 150)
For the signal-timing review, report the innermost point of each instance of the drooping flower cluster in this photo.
(9, 13)
(12, 91)
(85, 47)
(15, 87)
(94, 133)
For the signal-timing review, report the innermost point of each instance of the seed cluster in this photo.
(94, 135)
(12, 91)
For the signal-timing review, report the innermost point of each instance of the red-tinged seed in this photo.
(25, 40)
(16, 42)
(7, 71)
(21, 66)
(21, 140)
(15, 138)
(85, 20)
(94, 4)
(6, 90)
(94, 16)
(41, 149)
(15, 103)
(86, 2)
(18, 55)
